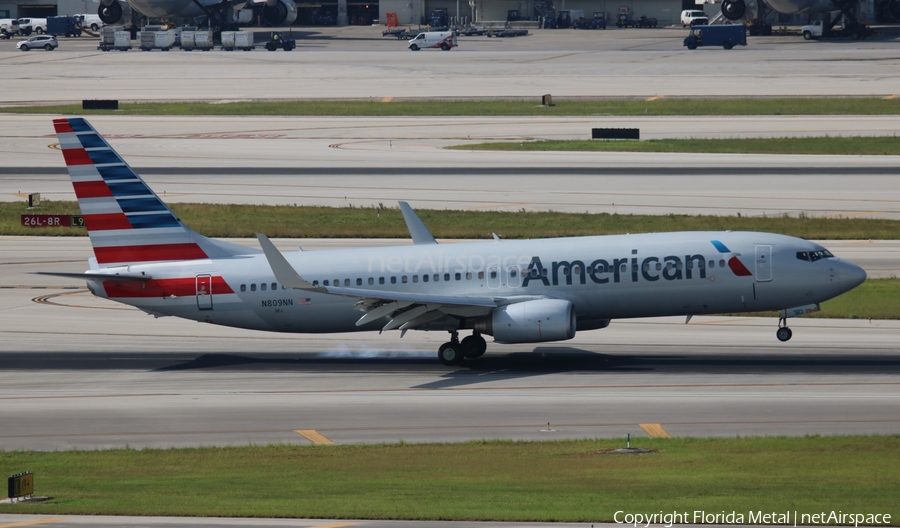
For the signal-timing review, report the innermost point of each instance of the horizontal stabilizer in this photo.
(130, 277)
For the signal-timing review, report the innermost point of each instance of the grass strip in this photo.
(574, 481)
(496, 107)
(244, 221)
(858, 146)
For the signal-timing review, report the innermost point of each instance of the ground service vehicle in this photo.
(8, 27)
(599, 21)
(727, 36)
(624, 20)
(444, 40)
(278, 41)
(27, 26)
(819, 30)
(90, 21)
(48, 42)
(67, 26)
(646, 22)
(693, 17)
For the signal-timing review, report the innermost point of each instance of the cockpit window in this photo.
(812, 256)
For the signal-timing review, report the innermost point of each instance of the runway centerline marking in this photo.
(316, 438)
(655, 430)
(32, 523)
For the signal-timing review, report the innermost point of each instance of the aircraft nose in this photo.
(851, 275)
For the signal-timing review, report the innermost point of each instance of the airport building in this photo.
(417, 13)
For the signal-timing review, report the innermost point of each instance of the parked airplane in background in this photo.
(220, 12)
(521, 291)
(757, 11)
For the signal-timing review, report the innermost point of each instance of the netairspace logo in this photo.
(787, 517)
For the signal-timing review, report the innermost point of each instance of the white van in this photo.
(89, 21)
(36, 25)
(8, 27)
(433, 39)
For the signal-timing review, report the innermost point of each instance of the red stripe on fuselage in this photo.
(91, 189)
(77, 156)
(62, 126)
(151, 253)
(105, 222)
(162, 288)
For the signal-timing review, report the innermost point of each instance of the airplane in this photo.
(219, 12)
(518, 291)
(758, 10)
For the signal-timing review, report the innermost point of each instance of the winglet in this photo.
(417, 229)
(284, 272)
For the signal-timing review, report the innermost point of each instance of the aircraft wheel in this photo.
(414, 47)
(784, 334)
(473, 346)
(450, 353)
(807, 35)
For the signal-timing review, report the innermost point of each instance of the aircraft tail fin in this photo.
(125, 219)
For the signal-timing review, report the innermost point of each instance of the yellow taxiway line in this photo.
(32, 523)
(319, 439)
(655, 430)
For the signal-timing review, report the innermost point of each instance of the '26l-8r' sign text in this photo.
(52, 220)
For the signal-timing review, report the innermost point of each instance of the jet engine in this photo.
(114, 13)
(734, 9)
(279, 12)
(530, 322)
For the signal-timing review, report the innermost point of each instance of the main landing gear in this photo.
(454, 351)
(783, 333)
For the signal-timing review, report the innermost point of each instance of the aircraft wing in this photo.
(407, 310)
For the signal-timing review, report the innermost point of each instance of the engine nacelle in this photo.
(114, 13)
(530, 322)
(279, 12)
(734, 9)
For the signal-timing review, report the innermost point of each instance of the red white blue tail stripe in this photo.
(126, 221)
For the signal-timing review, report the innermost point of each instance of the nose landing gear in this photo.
(783, 333)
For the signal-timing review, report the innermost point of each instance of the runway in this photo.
(339, 162)
(79, 372)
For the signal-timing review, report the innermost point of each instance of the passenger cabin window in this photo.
(371, 281)
(403, 279)
(393, 280)
(262, 286)
(424, 278)
(359, 281)
(253, 287)
(380, 280)
(274, 286)
(446, 277)
(480, 274)
(243, 287)
(415, 278)
(346, 282)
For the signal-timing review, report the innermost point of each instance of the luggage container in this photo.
(187, 40)
(164, 40)
(122, 40)
(243, 40)
(228, 40)
(203, 40)
(108, 38)
(147, 40)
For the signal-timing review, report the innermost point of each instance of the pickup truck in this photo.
(693, 17)
(646, 22)
(817, 31)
